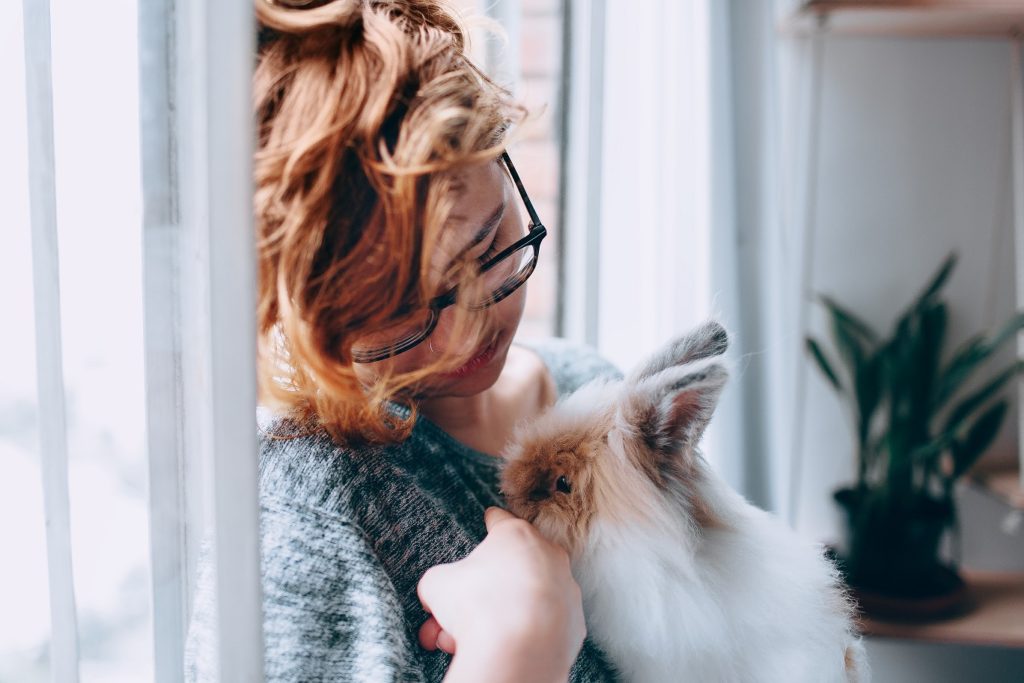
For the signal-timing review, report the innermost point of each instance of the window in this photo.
(95, 129)
(144, 331)
(530, 65)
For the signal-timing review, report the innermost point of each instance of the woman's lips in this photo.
(475, 363)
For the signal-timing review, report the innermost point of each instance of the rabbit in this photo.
(682, 579)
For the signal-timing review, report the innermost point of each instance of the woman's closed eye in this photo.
(492, 251)
(457, 272)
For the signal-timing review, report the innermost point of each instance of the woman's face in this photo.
(487, 217)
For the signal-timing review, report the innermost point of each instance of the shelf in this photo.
(934, 18)
(996, 618)
(1003, 484)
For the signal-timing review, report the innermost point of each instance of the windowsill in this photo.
(911, 18)
(996, 618)
(1003, 484)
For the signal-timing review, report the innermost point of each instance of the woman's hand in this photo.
(510, 610)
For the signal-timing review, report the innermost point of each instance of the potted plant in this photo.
(913, 443)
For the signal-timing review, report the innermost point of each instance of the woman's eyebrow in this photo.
(488, 227)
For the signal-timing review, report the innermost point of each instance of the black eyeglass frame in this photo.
(533, 237)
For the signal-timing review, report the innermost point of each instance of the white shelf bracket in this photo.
(1017, 173)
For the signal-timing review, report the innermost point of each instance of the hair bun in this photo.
(299, 17)
(298, 4)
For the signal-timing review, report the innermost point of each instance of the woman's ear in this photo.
(670, 410)
(707, 341)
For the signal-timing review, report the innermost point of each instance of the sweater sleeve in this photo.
(571, 364)
(330, 611)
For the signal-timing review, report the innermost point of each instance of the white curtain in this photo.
(138, 280)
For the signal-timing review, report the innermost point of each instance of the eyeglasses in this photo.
(502, 275)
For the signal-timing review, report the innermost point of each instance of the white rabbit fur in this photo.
(682, 579)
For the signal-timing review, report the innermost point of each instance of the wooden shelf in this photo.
(1004, 484)
(995, 618)
(935, 18)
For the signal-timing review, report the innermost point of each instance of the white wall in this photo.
(915, 162)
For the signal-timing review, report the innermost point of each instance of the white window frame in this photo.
(199, 258)
(623, 200)
(638, 197)
(53, 437)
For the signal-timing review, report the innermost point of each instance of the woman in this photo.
(394, 240)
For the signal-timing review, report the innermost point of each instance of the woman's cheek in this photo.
(513, 313)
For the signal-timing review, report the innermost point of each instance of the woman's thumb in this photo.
(494, 515)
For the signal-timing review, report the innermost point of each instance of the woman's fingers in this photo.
(507, 581)
(433, 637)
(433, 586)
(429, 631)
(494, 515)
(446, 642)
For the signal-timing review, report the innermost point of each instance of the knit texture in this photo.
(346, 535)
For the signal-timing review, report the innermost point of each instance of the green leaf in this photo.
(925, 359)
(901, 357)
(931, 449)
(868, 387)
(850, 322)
(980, 397)
(924, 300)
(1008, 331)
(979, 437)
(823, 363)
(971, 355)
(938, 281)
(966, 359)
(850, 346)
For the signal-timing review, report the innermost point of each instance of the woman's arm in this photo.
(509, 611)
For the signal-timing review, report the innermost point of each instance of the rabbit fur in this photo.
(682, 578)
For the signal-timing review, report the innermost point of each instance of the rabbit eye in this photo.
(563, 485)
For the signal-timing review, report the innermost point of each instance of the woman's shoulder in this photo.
(571, 364)
(301, 465)
(324, 586)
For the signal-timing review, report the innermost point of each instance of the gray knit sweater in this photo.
(346, 536)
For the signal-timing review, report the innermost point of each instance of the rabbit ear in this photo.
(707, 341)
(670, 410)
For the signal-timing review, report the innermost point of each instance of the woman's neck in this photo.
(458, 413)
(485, 421)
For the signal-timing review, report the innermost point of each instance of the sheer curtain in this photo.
(72, 424)
(143, 338)
(666, 127)
(657, 237)
(134, 438)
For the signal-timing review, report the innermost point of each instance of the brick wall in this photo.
(536, 155)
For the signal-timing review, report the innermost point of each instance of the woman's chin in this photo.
(477, 378)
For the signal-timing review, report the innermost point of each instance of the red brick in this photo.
(540, 97)
(537, 164)
(540, 46)
(532, 8)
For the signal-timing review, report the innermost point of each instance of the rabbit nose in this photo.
(538, 494)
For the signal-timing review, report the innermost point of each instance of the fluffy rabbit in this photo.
(682, 579)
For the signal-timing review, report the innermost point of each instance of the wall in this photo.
(914, 163)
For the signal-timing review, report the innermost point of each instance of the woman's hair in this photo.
(365, 111)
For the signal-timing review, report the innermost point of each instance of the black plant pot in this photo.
(893, 561)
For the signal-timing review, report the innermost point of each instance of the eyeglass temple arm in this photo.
(534, 218)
